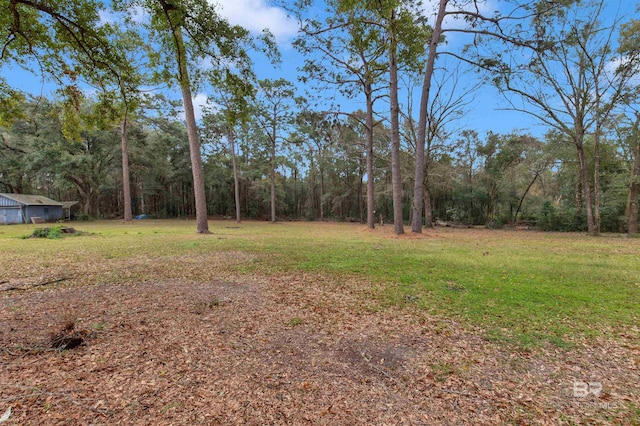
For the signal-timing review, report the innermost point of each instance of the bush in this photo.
(564, 219)
(612, 219)
(547, 219)
(50, 233)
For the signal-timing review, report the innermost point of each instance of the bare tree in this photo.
(567, 83)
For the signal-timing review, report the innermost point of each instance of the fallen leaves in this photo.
(192, 343)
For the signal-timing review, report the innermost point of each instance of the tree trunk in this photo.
(202, 224)
(141, 195)
(428, 212)
(586, 189)
(273, 172)
(126, 184)
(596, 181)
(371, 197)
(634, 189)
(312, 188)
(633, 206)
(491, 207)
(577, 193)
(321, 168)
(360, 188)
(86, 208)
(515, 216)
(398, 224)
(418, 189)
(86, 194)
(236, 179)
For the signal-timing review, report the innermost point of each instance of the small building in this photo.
(20, 208)
(66, 208)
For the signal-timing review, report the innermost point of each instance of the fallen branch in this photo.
(34, 285)
(29, 350)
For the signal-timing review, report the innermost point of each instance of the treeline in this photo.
(263, 150)
(494, 180)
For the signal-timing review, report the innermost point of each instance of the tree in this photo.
(483, 29)
(127, 82)
(566, 83)
(232, 99)
(418, 191)
(352, 60)
(84, 163)
(67, 39)
(11, 103)
(322, 133)
(275, 107)
(629, 136)
(629, 46)
(405, 33)
(56, 34)
(448, 101)
(188, 31)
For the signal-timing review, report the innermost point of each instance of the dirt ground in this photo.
(297, 349)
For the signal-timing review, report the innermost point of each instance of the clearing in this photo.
(302, 323)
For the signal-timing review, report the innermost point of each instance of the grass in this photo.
(523, 287)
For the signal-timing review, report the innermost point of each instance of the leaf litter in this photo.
(186, 340)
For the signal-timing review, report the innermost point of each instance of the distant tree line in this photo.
(263, 150)
(494, 181)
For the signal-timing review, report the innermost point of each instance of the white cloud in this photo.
(199, 101)
(106, 17)
(256, 15)
(139, 15)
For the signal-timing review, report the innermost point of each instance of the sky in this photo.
(485, 113)
(258, 14)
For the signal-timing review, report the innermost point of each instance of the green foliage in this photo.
(205, 33)
(562, 218)
(52, 233)
(11, 102)
(64, 37)
(294, 321)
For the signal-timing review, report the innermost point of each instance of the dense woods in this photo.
(266, 149)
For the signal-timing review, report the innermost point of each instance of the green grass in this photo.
(520, 287)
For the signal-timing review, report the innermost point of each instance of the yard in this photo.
(317, 323)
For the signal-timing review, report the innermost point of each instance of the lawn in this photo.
(523, 292)
(526, 286)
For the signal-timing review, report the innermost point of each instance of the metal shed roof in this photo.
(68, 204)
(31, 200)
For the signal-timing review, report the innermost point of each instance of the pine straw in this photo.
(296, 349)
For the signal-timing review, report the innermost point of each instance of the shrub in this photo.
(52, 233)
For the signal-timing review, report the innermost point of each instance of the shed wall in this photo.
(10, 215)
(48, 213)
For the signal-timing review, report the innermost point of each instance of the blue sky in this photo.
(484, 114)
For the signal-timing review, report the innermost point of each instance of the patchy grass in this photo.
(522, 287)
(151, 323)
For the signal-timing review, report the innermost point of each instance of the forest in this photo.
(113, 137)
